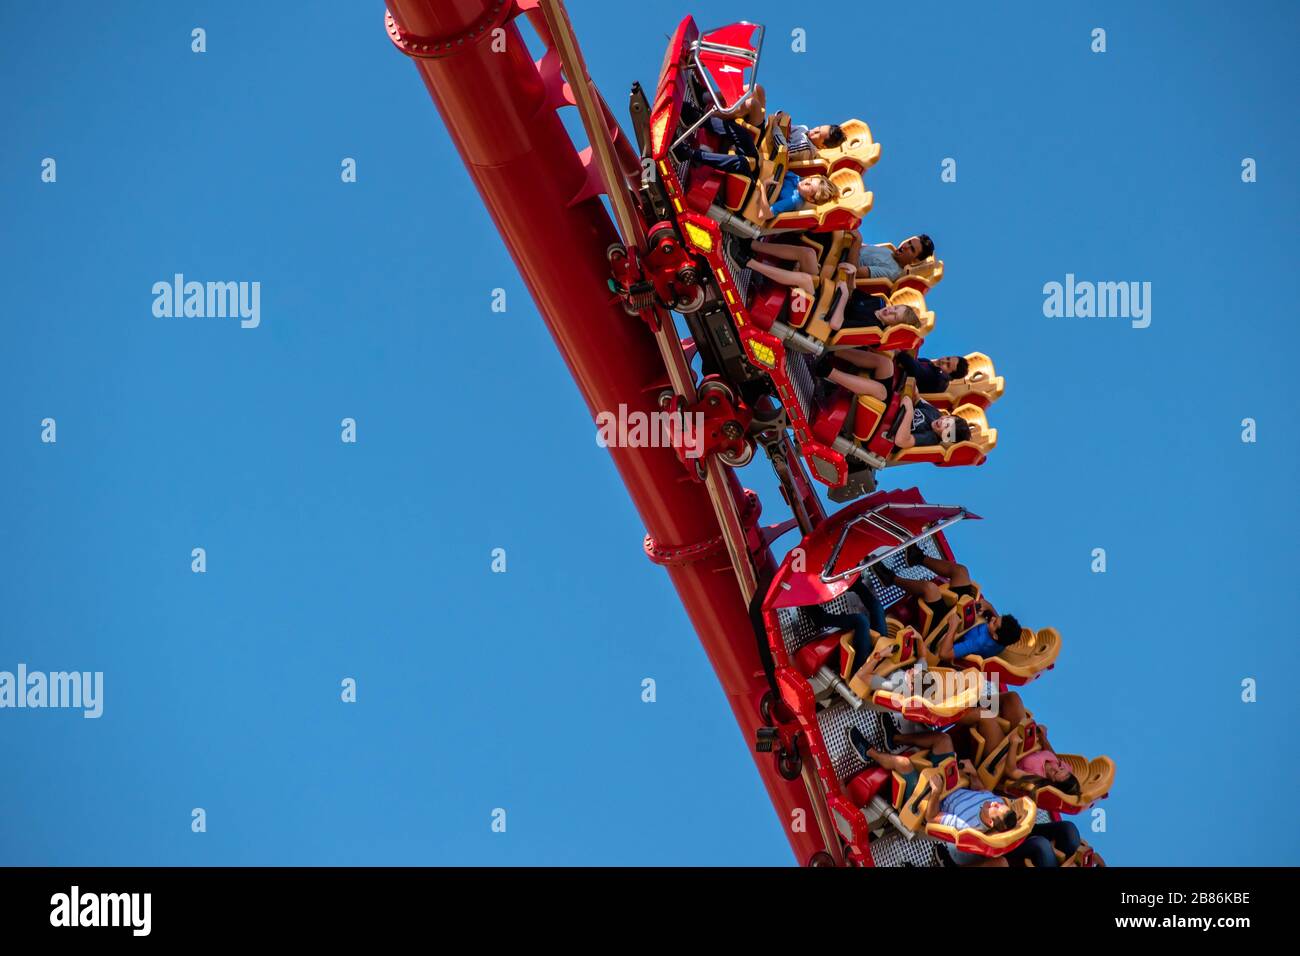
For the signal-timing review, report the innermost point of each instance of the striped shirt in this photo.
(961, 809)
(799, 146)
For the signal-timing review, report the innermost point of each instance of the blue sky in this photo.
(522, 690)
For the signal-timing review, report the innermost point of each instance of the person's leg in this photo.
(894, 683)
(1035, 850)
(800, 255)
(957, 574)
(858, 384)
(880, 366)
(1062, 834)
(895, 762)
(927, 591)
(933, 741)
(728, 163)
(1011, 707)
(859, 624)
(875, 610)
(744, 140)
(756, 108)
(737, 135)
(799, 280)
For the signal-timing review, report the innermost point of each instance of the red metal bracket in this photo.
(716, 424)
(665, 273)
(431, 48)
(678, 555)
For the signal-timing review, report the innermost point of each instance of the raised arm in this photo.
(764, 207)
(837, 317)
(1015, 750)
(903, 438)
(943, 649)
(934, 808)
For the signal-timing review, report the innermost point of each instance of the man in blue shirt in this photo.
(986, 639)
(968, 808)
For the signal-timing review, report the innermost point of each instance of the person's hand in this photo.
(968, 769)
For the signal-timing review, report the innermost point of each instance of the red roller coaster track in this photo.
(500, 108)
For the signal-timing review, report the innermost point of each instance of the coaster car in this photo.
(745, 329)
(820, 687)
(812, 666)
(711, 72)
(749, 351)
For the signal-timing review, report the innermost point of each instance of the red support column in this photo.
(526, 169)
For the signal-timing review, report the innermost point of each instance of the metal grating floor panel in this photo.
(798, 368)
(834, 723)
(798, 628)
(893, 594)
(894, 849)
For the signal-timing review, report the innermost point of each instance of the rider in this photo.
(987, 638)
